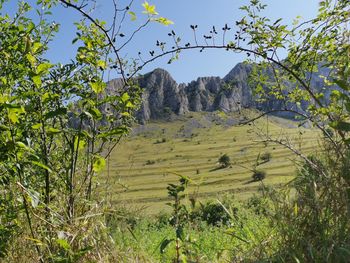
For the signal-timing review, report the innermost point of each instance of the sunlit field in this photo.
(145, 162)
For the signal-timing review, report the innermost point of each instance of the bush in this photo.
(211, 213)
(163, 140)
(150, 162)
(265, 157)
(224, 160)
(258, 176)
(258, 205)
(315, 225)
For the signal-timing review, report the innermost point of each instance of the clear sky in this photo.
(204, 13)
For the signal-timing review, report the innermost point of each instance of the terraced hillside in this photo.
(144, 163)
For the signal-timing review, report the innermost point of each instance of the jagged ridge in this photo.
(163, 96)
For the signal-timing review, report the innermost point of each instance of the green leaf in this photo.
(63, 244)
(22, 145)
(14, 112)
(13, 117)
(164, 244)
(81, 142)
(31, 59)
(149, 9)
(37, 126)
(53, 131)
(133, 15)
(115, 131)
(102, 64)
(125, 97)
(342, 84)
(163, 21)
(37, 80)
(4, 127)
(98, 86)
(55, 113)
(340, 125)
(36, 47)
(95, 113)
(126, 114)
(99, 164)
(41, 165)
(43, 68)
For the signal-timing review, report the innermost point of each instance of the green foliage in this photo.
(55, 133)
(211, 213)
(178, 220)
(265, 157)
(224, 160)
(150, 236)
(313, 227)
(258, 175)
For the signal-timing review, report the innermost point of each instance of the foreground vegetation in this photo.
(210, 234)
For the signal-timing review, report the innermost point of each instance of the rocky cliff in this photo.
(162, 96)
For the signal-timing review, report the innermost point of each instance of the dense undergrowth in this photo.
(210, 233)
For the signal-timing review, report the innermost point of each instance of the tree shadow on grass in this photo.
(218, 168)
(251, 181)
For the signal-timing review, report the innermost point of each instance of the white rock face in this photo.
(163, 97)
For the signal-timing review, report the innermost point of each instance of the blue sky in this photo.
(204, 13)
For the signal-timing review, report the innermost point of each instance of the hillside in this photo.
(144, 163)
(185, 128)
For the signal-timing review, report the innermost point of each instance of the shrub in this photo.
(163, 140)
(224, 160)
(150, 162)
(258, 175)
(265, 157)
(211, 213)
(315, 225)
(258, 205)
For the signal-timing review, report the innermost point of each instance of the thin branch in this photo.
(133, 34)
(105, 32)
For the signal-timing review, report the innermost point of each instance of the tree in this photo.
(321, 52)
(313, 83)
(265, 157)
(55, 135)
(258, 175)
(224, 160)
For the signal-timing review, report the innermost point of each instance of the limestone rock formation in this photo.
(163, 97)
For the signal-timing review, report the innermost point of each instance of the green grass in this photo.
(141, 237)
(144, 163)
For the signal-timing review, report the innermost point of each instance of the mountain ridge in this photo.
(162, 96)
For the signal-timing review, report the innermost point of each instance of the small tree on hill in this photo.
(258, 175)
(224, 160)
(265, 157)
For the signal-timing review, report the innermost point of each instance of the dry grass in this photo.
(144, 163)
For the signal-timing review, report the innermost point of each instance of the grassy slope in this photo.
(192, 147)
